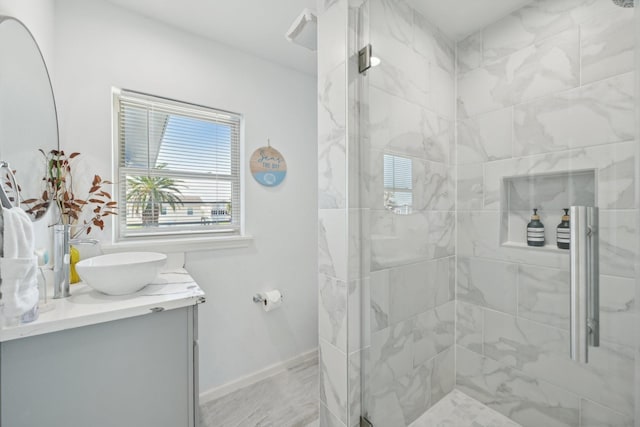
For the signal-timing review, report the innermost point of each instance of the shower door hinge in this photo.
(365, 422)
(364, 59)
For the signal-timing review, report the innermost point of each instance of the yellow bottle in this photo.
(74, 257)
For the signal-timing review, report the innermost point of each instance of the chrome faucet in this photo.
(90, 242)
(61, 261)
(77, 242)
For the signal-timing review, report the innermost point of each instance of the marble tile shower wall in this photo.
(333, 204)
(410, 110)
(549, 88)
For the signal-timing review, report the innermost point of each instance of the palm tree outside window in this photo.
(148, 196)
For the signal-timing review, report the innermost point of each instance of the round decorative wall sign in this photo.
(268, 166)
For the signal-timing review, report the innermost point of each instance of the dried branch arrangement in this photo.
(59, 190)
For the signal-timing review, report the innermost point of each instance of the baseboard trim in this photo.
(269, 371)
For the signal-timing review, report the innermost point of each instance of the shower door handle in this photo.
(585, 281)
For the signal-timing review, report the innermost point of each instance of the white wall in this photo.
(38, 16)
(99, 45)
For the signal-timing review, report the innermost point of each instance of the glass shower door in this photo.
(407, 137)
(459, 140)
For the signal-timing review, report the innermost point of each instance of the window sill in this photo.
(183, 244)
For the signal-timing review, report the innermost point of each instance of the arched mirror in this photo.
(28, 120)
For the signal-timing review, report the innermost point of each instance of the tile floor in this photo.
(459, 410)
(290, 399)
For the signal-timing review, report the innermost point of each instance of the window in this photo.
(398, 184)
(178, 167)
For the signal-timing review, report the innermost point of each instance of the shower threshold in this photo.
(459, 410)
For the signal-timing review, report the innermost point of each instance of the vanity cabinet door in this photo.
(132, 372)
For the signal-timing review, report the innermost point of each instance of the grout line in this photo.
(580, 78)
(456, 162)
(513, 132)
(482, 319)
(556, 93)
(525, 264)
(517, 307)
(482, 47)
(562, 151)
(579, 411)
(406, 100)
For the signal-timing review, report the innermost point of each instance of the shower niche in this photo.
(550, 194)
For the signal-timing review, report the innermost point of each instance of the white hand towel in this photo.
(19, 239)
(19, 285)
(18, 266)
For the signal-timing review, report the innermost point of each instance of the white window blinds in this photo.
(178, 167)
(398, 184)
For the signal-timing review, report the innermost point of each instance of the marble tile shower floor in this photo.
(459, 410)
(288, 399)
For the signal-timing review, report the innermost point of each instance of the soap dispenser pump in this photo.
(535, 230)
(563, 232)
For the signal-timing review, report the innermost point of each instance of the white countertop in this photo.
(172, 289)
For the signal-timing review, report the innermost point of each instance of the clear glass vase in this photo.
(61, 249)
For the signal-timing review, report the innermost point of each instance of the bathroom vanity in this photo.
(104, 361)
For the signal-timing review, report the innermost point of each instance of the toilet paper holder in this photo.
(260, 298)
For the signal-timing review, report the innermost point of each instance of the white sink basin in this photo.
(121, 273)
